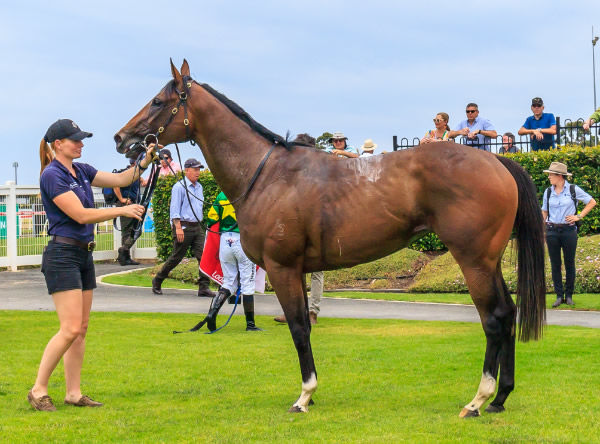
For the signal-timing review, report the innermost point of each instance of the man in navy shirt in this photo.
(541, 127)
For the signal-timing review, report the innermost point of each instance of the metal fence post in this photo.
(557, 131)
(11, 227)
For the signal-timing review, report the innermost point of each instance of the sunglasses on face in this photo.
(337, 140)
(470, 111)
(437, 120)
(536, 106)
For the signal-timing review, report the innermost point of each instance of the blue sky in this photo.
(370, 69)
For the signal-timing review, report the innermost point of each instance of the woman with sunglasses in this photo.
(67, 262)
(441, 131)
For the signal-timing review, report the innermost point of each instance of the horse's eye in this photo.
(156, 102)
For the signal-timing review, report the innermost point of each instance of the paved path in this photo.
(26, 290)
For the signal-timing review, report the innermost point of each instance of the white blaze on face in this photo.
(308, 388)
(487, 386)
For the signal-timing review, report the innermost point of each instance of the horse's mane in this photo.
(244, 116)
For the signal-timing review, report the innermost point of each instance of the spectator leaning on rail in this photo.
(508, 144)
(67, 262)
(594, 118)
(477, 130)
(341, 147)
(441, 131)
(367, 148)
(541, 127)
(186, 217)
(559, 211)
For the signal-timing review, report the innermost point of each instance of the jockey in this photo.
(233, 261)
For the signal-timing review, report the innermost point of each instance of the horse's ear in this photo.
(185, 68)
(176, 74)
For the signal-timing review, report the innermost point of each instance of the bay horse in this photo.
(306, 211)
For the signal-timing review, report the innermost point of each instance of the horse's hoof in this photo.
(311, 402)
(494, 408)
(466, 413)
(296, 409)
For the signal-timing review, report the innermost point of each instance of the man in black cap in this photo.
(167, 165)
(127, 196)
(187, 230)
(541, 127)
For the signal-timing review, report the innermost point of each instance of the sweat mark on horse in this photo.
(307, 210)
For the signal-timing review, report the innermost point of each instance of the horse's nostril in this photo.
(118, 139)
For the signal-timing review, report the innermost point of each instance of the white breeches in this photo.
(234, 262)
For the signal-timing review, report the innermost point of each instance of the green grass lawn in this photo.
(379, 381)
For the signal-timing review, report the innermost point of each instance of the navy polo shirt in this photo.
(56, 180)
(545, 121)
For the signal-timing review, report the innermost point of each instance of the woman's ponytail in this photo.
(46, 155)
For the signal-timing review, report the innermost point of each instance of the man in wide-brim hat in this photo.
(340, 147)
(367, 148)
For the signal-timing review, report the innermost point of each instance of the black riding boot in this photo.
(128, 260)
(249, 312)
(122, 257)
(215, 306)
(156, 285)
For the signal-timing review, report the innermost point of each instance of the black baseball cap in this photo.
(537, 101)
(165, 152)
(192, 163)
(65, 129)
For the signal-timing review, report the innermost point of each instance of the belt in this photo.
(87, 246)
(189, 224)
(553, 226)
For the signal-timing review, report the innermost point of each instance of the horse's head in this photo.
(164, 116)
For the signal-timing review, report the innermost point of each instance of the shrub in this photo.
(161, 201)
(444, 275)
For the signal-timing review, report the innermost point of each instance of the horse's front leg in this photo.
(291, 292)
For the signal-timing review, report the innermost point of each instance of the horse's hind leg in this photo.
(506, 382)
(291, 292)
(497, 313)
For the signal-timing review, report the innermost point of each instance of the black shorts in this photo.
(67, 267)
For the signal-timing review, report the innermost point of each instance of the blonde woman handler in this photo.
(560, 215)
(67, 263)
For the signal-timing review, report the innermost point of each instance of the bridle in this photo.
(147, 196)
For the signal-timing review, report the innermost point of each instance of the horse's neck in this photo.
(231, 149)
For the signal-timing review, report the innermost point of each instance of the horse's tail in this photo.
(529, 228)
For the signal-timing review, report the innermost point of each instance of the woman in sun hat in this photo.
(67, 262)
(367, 148)
(559, 209)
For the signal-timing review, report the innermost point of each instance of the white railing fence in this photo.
(24, 229)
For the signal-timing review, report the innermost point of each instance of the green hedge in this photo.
(584, 163)
(161, 201)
